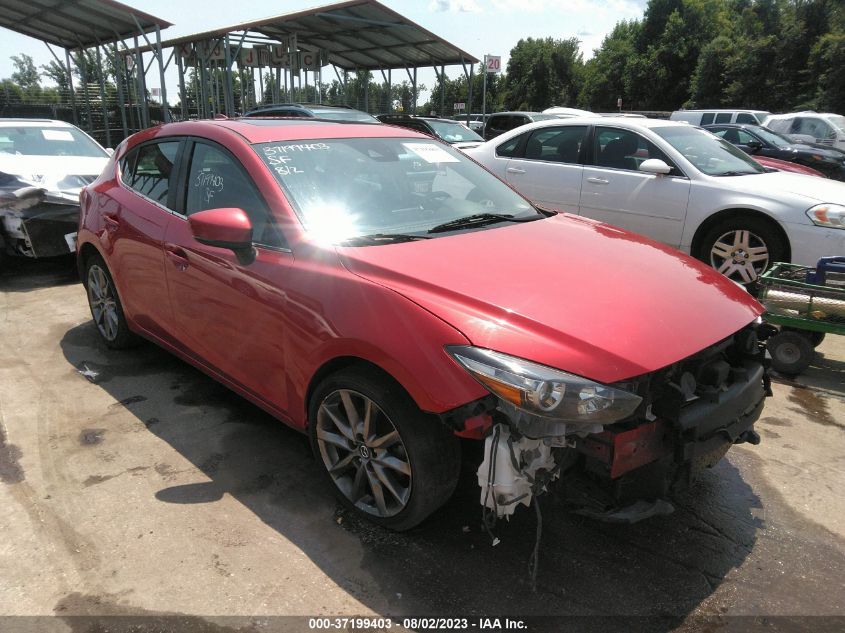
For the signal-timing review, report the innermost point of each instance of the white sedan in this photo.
(676, 184)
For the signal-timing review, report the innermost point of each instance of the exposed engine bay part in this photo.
(514, 470)
(689, 415)
(35, 222)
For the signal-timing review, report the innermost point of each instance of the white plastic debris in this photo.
(506, 484)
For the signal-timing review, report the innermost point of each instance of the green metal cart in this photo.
(804, 304)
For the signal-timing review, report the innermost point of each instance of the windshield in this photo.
(778, 140)
(708, 153)
(31, 140)
(838, 121)
(453, 132)
(348, 188)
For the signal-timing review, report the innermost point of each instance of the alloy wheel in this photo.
(740, 255)
(103, 302)
(363, 453)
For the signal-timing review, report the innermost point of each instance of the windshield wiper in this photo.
(383, 238)
(739, 173)
(480, 219)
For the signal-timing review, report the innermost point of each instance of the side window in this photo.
(623, 149)
(557, 144)
(153, 173)
(723, 117)
(127, 165)
(508, 149)
(499, 123)
(217, 180)
(744, 117)
(707, 118)
(814, 127)
(745, 138)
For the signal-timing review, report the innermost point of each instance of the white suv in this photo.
(823, 127)
(676, 184)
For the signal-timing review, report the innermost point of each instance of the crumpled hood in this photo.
(769, 184)
(50, 172)
(566, 292)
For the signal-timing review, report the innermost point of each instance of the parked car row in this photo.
(677, 184)
(318, 232)
(814, 128)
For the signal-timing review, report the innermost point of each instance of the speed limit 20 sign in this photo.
(493, 63)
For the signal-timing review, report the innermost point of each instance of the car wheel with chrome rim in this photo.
(106, 309)
(386, 460)
(742, 248)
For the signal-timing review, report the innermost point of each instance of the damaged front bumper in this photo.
(690, 414)
(37, 223)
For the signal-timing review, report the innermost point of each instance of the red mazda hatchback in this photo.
(382, 292)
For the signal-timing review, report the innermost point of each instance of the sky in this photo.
(477, 26)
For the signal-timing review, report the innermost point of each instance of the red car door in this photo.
(230, 314)
(135, 227)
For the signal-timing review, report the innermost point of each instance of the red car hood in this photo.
(566, 292)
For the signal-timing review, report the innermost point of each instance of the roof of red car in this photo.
(257, 130)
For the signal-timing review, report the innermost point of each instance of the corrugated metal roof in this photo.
(76, 23)
(358, 34)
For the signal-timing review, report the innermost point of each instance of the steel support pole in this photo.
(118, 80)
(70, 87)
(415, 90)
(140, 74)
(103, 96)
(366, 89)
(158, 53)
(442, 90)
(183, 96)
(484, 92)
(389, 91)
(230, 92)
(84, 74)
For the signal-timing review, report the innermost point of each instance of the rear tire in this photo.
(106, 309)
(387, 460)
(791, 352)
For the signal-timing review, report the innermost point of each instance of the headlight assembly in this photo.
(544, 391)
(830, 215)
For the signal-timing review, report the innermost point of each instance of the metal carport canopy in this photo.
(76, 24)
(358, 35)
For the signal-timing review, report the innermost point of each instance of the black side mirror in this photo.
(754, 146)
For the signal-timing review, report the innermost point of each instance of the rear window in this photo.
(49, 141)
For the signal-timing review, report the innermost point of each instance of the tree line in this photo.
(777, 55)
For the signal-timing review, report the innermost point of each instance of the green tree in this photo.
(26, 74)
(543, 73)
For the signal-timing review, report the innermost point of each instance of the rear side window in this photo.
(723, 117)
(744, 117)
(509, 148)
(707, 118)
(557, 144)
(151, 172)
(217, 180)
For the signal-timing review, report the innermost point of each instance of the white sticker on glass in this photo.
(431, 153)
(57, 135)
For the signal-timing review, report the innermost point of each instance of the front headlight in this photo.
(543, 391)
(830, 215)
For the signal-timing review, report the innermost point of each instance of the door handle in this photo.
(514, 170)
(177, 255)
(598, 181)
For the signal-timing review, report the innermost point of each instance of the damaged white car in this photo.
(43, 166)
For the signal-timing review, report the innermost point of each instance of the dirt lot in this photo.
(133, 485)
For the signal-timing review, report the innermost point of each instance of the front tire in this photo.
(106, 309)
(387, 460)
(742, 247)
